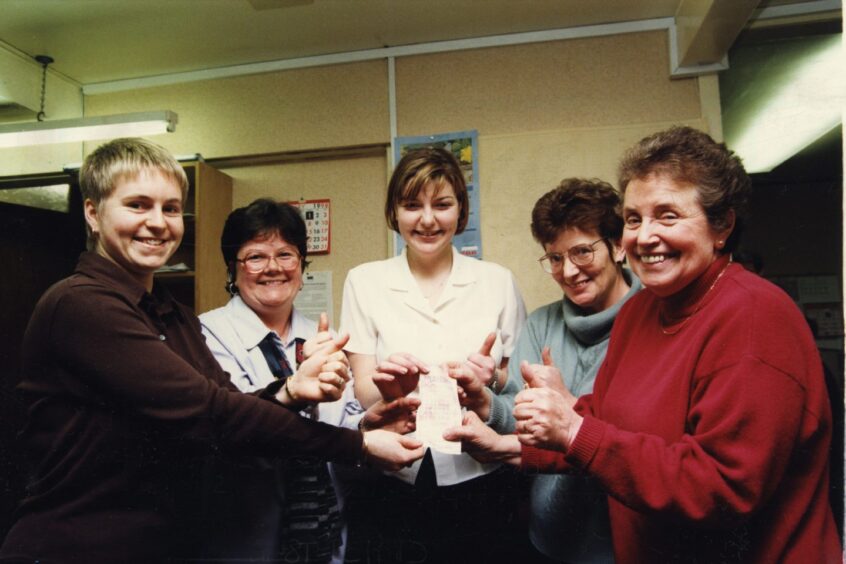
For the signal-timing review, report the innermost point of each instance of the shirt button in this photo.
(162, 338)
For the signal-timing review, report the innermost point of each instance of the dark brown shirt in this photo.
(122, 395)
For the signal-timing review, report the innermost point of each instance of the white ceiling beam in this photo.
(20, 80)
(707, 28)
(702, 33)
(20, 83)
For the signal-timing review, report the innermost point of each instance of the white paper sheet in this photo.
(316, 295)
(439, 409)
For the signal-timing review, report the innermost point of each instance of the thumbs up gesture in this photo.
(482, 363)
(546, 375)
(545, 416)
(321, 339)
(321, 377)
(473, 375)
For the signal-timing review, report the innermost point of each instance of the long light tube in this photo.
(806, 105)
(138, 124)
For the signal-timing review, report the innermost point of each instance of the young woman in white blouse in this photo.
(427, 307)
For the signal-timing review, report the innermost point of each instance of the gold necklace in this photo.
(699, 306)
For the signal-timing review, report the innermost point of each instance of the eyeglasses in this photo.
(580, 255)
(257, 262)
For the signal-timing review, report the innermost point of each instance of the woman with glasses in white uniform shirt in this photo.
(288, 509)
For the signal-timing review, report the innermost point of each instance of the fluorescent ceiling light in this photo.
(139, 124)
(806, 105)
(55, 197)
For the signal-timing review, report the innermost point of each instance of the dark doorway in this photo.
(38, 247)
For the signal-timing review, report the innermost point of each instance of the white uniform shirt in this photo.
(385, 312)
(233, 333)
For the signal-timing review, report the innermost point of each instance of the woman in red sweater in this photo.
(709, 424)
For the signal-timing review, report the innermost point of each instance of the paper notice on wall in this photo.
(316, 295)
(439, 410)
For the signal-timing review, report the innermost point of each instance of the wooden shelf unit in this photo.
(208, 206)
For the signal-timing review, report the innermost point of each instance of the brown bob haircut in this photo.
(586, 204)
(690, 156)
(417, 169)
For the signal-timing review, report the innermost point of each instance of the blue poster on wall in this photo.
(465, 146)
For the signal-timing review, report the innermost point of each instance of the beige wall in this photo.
(543, 112)
(596, 82)
(303, 109)
(356, 186)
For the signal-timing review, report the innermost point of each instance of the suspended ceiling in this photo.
(96, 41)
(102, 44)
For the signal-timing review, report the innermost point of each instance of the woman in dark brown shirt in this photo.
(123, 394)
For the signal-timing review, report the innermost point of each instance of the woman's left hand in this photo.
(547, 375)
(321, 377)
(471, 391)
(545, 417)
(473, 375)
(482, 363)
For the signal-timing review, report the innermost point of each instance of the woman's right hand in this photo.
(389, 451)
(321, 377)
(483, 443)
(398, 416)
(398, 376)
(322, 337)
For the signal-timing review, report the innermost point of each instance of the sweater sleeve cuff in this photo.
(269, 393)
(500, 418)
(584, 447)
(535, 460)
(530, 459)
(352, 421)
(353, 451)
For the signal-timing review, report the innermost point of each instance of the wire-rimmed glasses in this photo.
(580, 255)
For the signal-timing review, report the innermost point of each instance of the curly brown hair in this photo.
(418, 168)
(586, 204)
(693, 157)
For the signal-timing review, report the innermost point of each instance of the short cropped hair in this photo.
(420, 167)
(587, 204)
(123, 159)
(691, 156)
(262, 218)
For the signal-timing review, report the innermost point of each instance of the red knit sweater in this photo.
(713, 442)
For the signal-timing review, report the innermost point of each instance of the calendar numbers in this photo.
(316, 216)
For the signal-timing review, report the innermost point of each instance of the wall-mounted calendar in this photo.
(316, 216)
